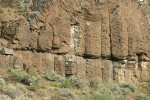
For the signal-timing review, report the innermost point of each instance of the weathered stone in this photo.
(36, 20)
(37, 61)
(128, 76)
(105, 35)
(145, 76)
(88, 38)
(47, 62)
(61, 40)
(93, 68)
(107, 70)
(132, 72)
(143, 58)
(45, 40)
(132, 57)
(27, 57)
(143, 66)
(119, 35)
(75, 66)
(81, 67)
(70, 68)
(138, 31)
(4, 43)
(92, 39)
(5, 63)
(9, 28)
(59, 65)
(22, 35)
(33, 40)
(119, 74)
(7, 51)
(77, 40)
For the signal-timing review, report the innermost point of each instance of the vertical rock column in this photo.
(119, 72)
(75, 66)
(107, 70)
(105, 35)
(144, 71)
(93, 39)
(132, 72)
(59, 65)
(93, 68)
(119, 35)
(77, 40)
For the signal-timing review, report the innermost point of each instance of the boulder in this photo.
(7, 51)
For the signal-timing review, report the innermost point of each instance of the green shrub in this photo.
(34, 86)
(115, 88)
(33, 80)
(62, 84)
(56, 84)
(121, 91)
(16, 75)
(5, 97)
(76, 82)
(21, 98)
(142, 96)
(100, 96)
(94, 83)
(66, 84)
(131, 87)
(31, 77)
(18, 4)
(144, 87)
(64, 94)
(53, 76)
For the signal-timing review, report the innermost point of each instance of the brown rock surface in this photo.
(119, 34)
(109, 39)
(107, 70)
(93, 68)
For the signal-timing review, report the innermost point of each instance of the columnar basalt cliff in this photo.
(109, 39)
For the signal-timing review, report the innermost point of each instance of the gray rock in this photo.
(15, 41)
(7, 51)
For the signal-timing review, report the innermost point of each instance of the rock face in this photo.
(109, 39)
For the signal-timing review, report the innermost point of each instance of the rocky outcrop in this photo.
(109, 39)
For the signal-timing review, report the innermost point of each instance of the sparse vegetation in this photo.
(16, 74)
(100, 96)
(5, 97)
(76, 82)
(144, 87)
(59, 81)
(112, 91)
(53, 76)
(17, 4)
(94, 87)
(142, 96)
(94, 83)
(32, 78)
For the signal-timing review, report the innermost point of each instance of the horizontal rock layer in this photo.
(109, 39)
